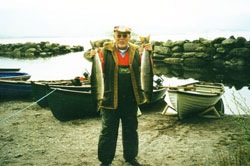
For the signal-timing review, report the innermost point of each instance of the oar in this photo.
(178, 87)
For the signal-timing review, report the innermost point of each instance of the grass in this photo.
(241, 155)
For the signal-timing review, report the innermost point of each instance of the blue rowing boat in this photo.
(14, 89)
(14, 76)
(9, 69)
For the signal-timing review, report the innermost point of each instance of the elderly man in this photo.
(122, 95)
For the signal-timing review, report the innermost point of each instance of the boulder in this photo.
(177, 48)
(177, 54)
(162, 50)
(191, 47)
(240, 52)
(194, 62)
(228, 42)
(173, 60)
(188, 54)
(158, 56)
(168, 43)
(218, 40)
(240, 42)
(221, 50)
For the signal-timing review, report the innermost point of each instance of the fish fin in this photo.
(145, 39)
(92, 44)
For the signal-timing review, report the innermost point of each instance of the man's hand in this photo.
(93, 52)
(147, 47)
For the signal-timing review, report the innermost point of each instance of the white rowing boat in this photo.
(196, 98)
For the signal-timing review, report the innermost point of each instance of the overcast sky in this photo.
(82, 17)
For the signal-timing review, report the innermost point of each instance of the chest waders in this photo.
(127, 112)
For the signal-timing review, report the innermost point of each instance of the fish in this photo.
(146, 71)
(96, 80)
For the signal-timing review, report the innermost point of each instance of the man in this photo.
(122, 95)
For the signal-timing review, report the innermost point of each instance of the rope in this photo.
(3, 120)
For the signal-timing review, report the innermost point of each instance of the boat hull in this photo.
(15, 89)
(188, 103)
(68, 104)
(17, 76)
(9, 69)
(40, 89)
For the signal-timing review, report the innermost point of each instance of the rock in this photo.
(55, 50)
(29, 54)
(202, 55)
(177, 49)
(228, 42)
(240, 42)
(156, 43)
(218, 40)
(191, 47)
(173, 60)
(240, 52)
(206, 42)
(177, 54)
(158, 56)
(188, 54)
(221, 50)
(247, 44)
(217, 45)
(168, 43)
(179, 43)
(200, 49)
(194, 62)
(162, 50)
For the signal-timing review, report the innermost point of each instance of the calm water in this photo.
(73, 64)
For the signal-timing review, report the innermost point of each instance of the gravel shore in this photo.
(35, 137)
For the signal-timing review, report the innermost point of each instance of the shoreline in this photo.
(35, 137)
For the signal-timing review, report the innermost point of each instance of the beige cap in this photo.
(122, 29)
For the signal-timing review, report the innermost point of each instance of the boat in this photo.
(68, 104)
(9, 69)
(196, 98)
(25, 89)
(14, 89)
(40, 89)
(8, 75)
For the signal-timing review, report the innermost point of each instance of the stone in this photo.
(177, 54)
(162, 50)
(173, 60)
(158, 56)
(218, 40)
(240, 52)
(194, 62)
(220, 50)
(168, 43)
(188, 54)
(177, 49)
(228, 42)
(240, 42)
(191, 47)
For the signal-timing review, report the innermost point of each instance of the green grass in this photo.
(241, 155)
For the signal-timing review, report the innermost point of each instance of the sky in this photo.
(96, 17)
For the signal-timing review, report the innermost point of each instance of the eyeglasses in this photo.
(122, 35)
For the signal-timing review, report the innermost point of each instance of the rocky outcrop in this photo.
(231, 53)
(34, 50)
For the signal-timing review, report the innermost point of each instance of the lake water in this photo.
(73, 64)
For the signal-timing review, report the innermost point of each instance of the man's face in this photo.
(122, 39)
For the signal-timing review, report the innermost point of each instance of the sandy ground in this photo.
(35, 137)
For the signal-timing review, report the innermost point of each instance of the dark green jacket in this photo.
(110, 100)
